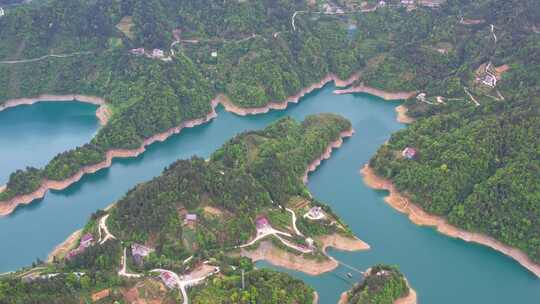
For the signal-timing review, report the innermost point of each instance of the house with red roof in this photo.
(409, 153)
(261, 223)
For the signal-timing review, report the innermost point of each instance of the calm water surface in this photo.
(442, 270)
(32, 135)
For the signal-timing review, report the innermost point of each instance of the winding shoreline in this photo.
(7, 207)
(64, 247)
(281, 258)
(327, 153)
(401, 109)
(342, 243)
(103, 112)
(418, 216)
(281, 105)
(402, 116)
(275, 256)
(377, 92)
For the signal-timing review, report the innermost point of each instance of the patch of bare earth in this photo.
(125, 25)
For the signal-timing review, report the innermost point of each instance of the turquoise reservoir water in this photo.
(441, 269)
(32, 135)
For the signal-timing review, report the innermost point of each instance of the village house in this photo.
(407, 2)
(191, 218)
(409, 153)
(139, 252)
(2, 13)
(262, 223)
(310, 242)
(315, 213)
(168, 279)
(213, 54)
(87, 240)
(158, 53)
(137, 51)
(489, 80)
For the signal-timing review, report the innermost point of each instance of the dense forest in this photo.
(261, 286)
(255, 174)
(250, 176)
(381, 284)
(478, 63)
(250, 52)
(478, 166)
(258, 60)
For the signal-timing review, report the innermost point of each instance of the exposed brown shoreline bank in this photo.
(401, 109)
(343, 243)
(7, 207)
(278, 257)
(63, 248)
(402, 116)
(418, 216)
(327, 153)
(281, 105)
(103, 113)
(376, 92)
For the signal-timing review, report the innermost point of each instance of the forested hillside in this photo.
(194, 217)
(250, 176)
(258, 60)
(476, 63)
(250, 52)
(478, 166)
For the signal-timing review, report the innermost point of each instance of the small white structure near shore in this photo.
(137, 51)
(2, 13)
(315, 213)
(158, 53)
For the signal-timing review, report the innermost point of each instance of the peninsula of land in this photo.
(230, 201)
(417, 215)
(9, 205)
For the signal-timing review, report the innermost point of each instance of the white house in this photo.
(2, 13)
(137, 51)
(157, 53)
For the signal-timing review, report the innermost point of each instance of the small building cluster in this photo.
(87, 240)
(190, 219)
(409, 153)
(168, 279)
(139, 252)
(155, 54)
(262, 223)
(315, 213)
(331, 8)
(487, 77)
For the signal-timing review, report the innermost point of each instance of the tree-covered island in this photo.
(381, 284)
